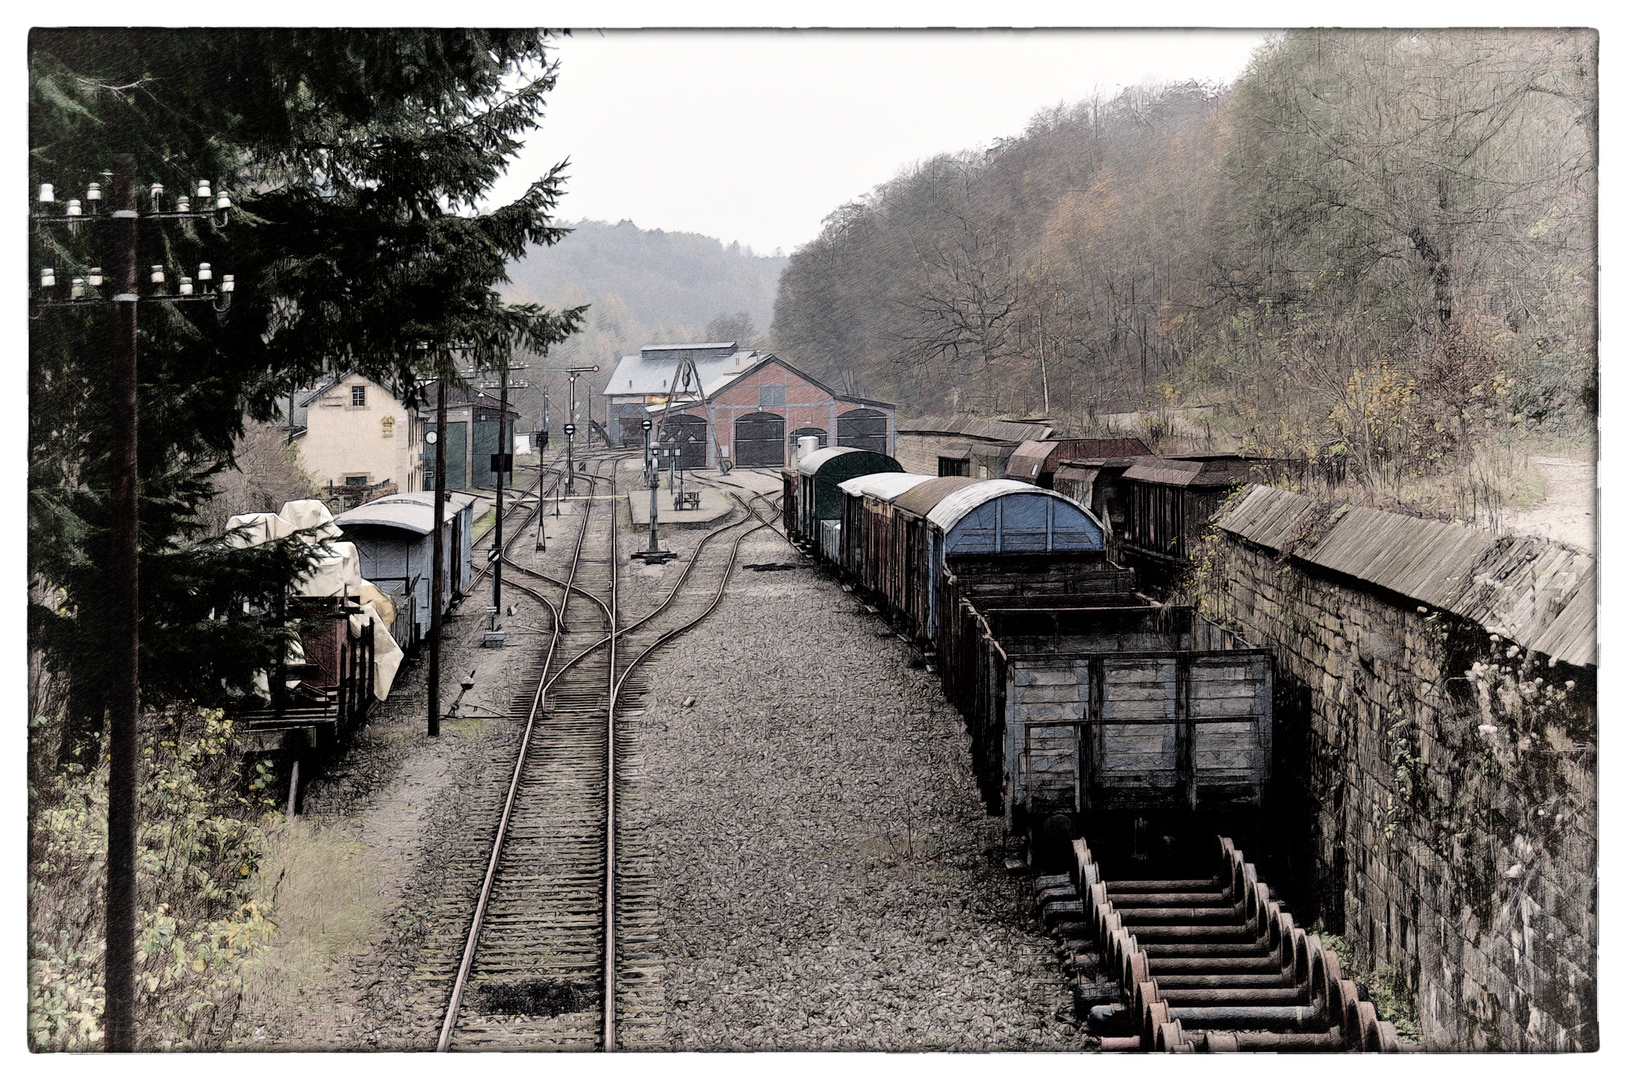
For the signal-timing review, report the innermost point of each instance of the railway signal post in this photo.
(652, 477)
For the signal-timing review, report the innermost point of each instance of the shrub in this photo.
(198, 847)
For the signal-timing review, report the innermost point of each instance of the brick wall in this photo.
(1444, 824)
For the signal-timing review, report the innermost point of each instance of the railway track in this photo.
(562, 949)
(1203, 959)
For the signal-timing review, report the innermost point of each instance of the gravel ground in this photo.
(829, 879)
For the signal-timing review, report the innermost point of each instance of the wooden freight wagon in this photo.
(1037, 581)
(998, 518)
(867, 525)
(1084, 709)
(395, 539)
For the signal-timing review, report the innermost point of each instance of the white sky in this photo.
(756, 135)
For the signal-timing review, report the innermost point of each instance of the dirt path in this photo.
(1569, 512)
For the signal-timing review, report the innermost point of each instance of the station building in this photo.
(749, 408)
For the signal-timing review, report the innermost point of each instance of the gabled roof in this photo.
(1006, 431)
(651, 371)
(645, 375)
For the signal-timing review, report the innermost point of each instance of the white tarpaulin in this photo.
(308, 513)
(387, 655)
(368, 593)
(261, 528)
(337, 572)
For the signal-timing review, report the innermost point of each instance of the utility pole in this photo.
(124, 699)
(437, 575)
(570, 429)
(504, 461)
(123, 551)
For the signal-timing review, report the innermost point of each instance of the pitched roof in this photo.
(650, 371)
(1537, 593)
(1009, 431)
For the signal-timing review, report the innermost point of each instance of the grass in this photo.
(324, 904)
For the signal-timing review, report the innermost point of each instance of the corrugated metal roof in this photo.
(1010, 431)
(947, 513)
(811, 464)
(887, 485)
(1538, 594)
(1030, 459)
(650, 371)
(1095, 449)
(920, 499)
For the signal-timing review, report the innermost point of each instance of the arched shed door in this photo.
(805, 432)
(759, 440)
(690, 434)
(864, 429)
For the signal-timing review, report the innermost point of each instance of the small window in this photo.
(770, 395)
(358, 396)
(355, 481)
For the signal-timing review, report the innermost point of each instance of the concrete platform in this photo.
(714, 501)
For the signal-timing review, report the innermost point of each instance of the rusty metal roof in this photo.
(1539, 594)
(1182, 472)
(1009, 431)
(1101, 448)
(1030, 459)
(920, 499)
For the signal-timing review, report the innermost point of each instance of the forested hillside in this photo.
(1374, 247)
(644, 287)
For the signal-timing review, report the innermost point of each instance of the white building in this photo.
(359, 435)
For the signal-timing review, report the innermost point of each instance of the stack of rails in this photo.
(1203, 963)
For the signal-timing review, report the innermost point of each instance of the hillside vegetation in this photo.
(1376, 249)
(645, 286)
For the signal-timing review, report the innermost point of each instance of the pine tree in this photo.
(357, 161)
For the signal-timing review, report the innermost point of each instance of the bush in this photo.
(198, 847)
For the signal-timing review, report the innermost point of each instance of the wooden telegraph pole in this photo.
(437, 576)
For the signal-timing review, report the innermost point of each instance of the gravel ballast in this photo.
(828, 879)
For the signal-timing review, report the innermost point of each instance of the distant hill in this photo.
(645, 286)
(660, 278)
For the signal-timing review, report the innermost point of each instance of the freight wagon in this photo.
(818, 495)
(1088, 709)
(395, 538)
(870, 536)
(1081, 695)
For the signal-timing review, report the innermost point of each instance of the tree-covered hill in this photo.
(1376, 247)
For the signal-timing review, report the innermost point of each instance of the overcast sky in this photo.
(756, 136)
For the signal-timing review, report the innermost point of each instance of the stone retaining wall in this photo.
(1435, 780)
